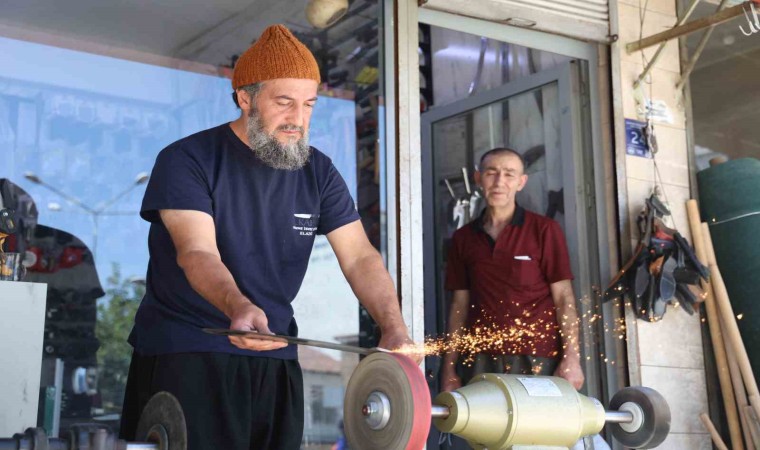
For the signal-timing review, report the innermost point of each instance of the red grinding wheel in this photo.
(387, 404)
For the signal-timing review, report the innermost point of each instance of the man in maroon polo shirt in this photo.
(509, 271)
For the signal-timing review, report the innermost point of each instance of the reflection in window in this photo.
(78, 144)
(80, 141)
(323, 392)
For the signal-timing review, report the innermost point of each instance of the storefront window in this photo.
(80, 127)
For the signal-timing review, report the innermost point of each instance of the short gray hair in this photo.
(499, 151)
(252, 90)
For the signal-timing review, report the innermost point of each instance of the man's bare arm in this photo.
(567, 317)
(460, 304)
(194, 237)
(364, 269)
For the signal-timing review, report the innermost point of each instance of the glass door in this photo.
(539, 116)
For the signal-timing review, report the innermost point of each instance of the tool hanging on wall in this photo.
(663, 269)
(466, 207)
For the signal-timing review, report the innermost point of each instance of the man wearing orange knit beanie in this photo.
(233, 212)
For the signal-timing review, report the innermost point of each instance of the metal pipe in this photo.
(618, 417)
(696, 25)
(440, 412)
(142, 445)
(466, 181)
(657, 54)
(479, 72)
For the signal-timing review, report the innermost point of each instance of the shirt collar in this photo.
(518, 218)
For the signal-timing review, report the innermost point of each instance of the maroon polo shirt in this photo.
(509, 280)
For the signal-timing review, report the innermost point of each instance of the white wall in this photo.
(665, 355)
(22, 319)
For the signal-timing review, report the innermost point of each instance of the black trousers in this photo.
(230, 402)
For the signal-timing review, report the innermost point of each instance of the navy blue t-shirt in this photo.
(265, 219)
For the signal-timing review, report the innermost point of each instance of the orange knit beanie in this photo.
(276, 54)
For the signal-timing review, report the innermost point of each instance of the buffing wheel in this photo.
(651, 417)
(387, 404)
(162, 422)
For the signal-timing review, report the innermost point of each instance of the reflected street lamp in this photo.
(96, 212)
(137, 281)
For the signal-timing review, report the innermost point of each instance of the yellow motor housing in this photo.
(498, 411)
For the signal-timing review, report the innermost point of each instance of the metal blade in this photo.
(295, 340)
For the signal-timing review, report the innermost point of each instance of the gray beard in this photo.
(274, 153)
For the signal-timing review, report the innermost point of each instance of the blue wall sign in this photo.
(636, 139)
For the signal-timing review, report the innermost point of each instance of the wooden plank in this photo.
(719, 444)
(730, 327)
(688, 28)
(741, 396)
(716, 335)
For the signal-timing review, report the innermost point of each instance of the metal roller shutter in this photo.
(581, 19)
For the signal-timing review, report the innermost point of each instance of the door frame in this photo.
(598, 254)
(599, 188)
(565, 76)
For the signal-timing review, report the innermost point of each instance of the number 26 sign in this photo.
(636, 138)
